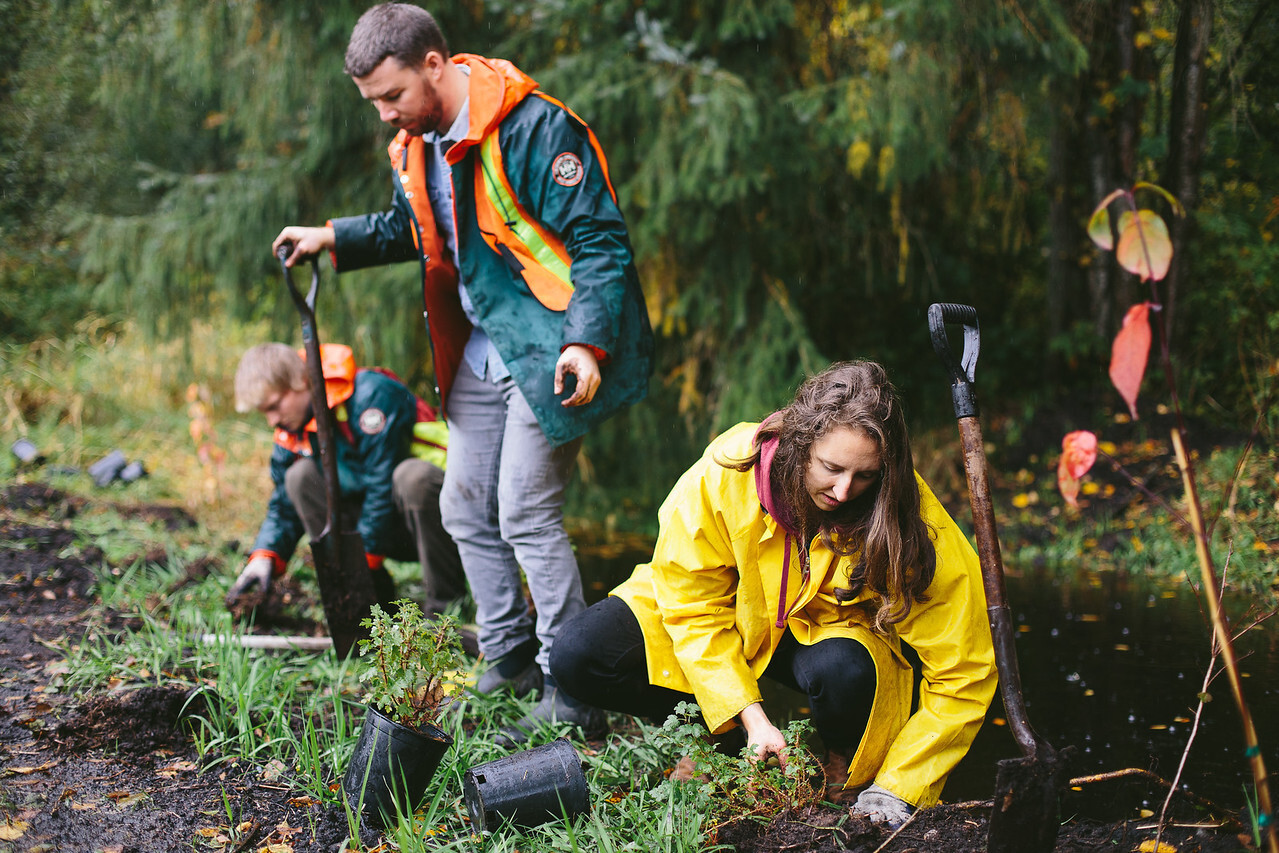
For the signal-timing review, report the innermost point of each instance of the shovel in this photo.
(1026, 815)
(341, 568)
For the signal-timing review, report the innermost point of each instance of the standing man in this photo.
(389, 448)
(537, 321)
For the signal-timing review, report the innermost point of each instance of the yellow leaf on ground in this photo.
(11, 830)
(1152, 847)
(276, 848)
(179, 766)
(208, 831)
(27, 770)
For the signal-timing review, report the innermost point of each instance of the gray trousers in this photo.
(415, 488)
(503, 502)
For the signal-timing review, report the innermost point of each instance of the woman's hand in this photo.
(762, 736)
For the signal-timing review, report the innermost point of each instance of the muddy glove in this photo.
(881, 806)
(259, 571)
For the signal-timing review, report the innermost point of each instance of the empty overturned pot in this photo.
(528, 788)
(392, 767)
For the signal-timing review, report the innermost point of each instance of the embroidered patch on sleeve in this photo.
(567, 170)
(372, 421)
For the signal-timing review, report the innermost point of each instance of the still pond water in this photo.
(1110, 665)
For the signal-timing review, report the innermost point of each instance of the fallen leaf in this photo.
(12, 830)
(273, 770)
(175, 768)
(1153, 846)
(27, 770)
(208, 831)
(304, 802)
(1129, 353)
(131, 800)
(84, 807)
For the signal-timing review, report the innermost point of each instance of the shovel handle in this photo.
(987, 535)
(305, 304)
(324, 422)
(963, 371)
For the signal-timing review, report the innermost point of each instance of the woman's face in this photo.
(843, 464)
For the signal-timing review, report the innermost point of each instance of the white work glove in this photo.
(881, 806)
(259, 571)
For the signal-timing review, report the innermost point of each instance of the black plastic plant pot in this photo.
(392, 767)
(529, 788)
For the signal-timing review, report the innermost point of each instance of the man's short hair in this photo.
(268, 369)
(400, 30)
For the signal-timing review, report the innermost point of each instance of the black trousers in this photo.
(599, 659)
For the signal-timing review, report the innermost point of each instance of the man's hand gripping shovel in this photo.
(1025, 815)
(341, 567)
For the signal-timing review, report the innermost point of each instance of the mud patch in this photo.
(172, 517)
(137, 721)
(41, 497)
(954, 829)
(276, 612)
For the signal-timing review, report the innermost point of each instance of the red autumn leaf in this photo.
(1078, 453)
(1129, 352)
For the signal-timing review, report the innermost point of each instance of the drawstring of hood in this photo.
(782, 515)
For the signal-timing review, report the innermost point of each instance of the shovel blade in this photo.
(1026, 814)
(346, 591)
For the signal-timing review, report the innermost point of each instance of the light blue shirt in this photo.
(479, 353)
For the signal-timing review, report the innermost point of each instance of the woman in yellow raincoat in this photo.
(807, 549)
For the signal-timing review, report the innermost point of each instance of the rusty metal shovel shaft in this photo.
(341, 568)
(1025, 813)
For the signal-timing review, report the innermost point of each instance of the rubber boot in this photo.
(516, 671)
(556, 706)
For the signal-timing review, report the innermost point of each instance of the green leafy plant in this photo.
(739, 786)
(410, 658)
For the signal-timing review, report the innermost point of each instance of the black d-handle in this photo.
(962, 372)
(304, 303)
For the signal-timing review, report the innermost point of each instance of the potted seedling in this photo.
(407, 659)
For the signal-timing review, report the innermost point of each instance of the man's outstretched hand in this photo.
(259, 572)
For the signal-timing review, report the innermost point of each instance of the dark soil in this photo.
(117, 771)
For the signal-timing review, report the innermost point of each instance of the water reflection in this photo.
(1111, 665)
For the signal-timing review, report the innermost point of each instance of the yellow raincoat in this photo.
(708, 605)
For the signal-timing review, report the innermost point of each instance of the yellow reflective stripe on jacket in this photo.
(430, 442)
(545, 263)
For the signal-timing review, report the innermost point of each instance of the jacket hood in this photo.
(497, 86)
(768, 498)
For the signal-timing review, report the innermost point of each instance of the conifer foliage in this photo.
(802, 178)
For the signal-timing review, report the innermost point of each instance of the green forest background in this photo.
(802, 178)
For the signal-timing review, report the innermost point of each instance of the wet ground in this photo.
(114, 772)
(117, 771)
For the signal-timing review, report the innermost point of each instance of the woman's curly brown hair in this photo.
(882, 527)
